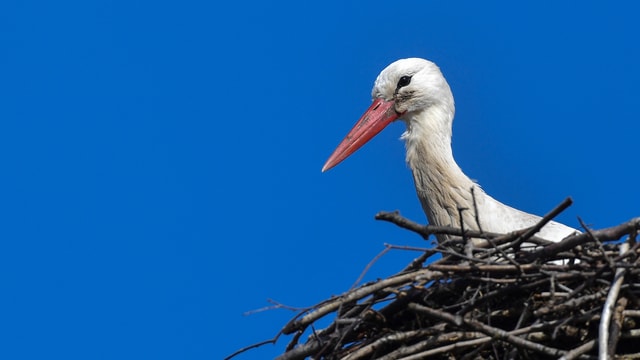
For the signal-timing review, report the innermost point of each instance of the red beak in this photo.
(380, 114)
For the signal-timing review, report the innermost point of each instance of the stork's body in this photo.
(415, 91)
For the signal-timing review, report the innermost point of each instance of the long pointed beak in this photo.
(380, 114)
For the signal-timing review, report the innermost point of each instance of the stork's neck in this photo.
(441, 185)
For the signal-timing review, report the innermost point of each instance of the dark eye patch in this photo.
(404, 81)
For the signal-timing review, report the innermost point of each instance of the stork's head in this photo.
(403, 89)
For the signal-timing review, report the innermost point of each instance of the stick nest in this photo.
(516, 297)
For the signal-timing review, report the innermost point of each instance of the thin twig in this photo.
(479, 339)
(491, 268)
(475, 208)
(276, 305)
(253, 346)
(369, 265)
(598, 242)
(489, 330)
(545, 220)
(608, 234)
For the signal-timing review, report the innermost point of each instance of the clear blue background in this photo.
(161, 160)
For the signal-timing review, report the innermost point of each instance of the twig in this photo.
(253, 346)
(458, 345)
(598, 242)
(418, 351)
(608, 234)
(456, 255)
(475, 208)
(499, 239)
(396, 337)
(616, 325)
(468, 245)
(489, 330)
(570, 304)
(545, 219)
(427, 230)
(276, 305)
(631, 313)
(494, 268)
(417, 262)
(575, 353)
(333, 304)
(369, 265)
(607, 311)
(302, 351)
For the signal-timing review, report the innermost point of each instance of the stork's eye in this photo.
(404, 81)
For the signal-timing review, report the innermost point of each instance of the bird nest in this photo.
(578, 298)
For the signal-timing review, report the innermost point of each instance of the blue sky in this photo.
(161, 160)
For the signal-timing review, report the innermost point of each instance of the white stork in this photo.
(415, 91)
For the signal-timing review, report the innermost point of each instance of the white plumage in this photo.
(415, 91)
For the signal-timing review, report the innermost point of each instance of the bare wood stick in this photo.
(417, 262)
(607, 311)
(475, 208)
(545, 220)
(427, 230)
(435, 351)
(575, 353)
(489, 330)
(396, 337)
(333, 304)
(253, 346)
(302, 351)
(456, 255)
(608, 234)
(616, 325)
(570, 304)
(276, 305)
(631, 313)
(369, 265)
(493, 268)
(458, 345)
(517, 236)
(598, 242)
(294, 340)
